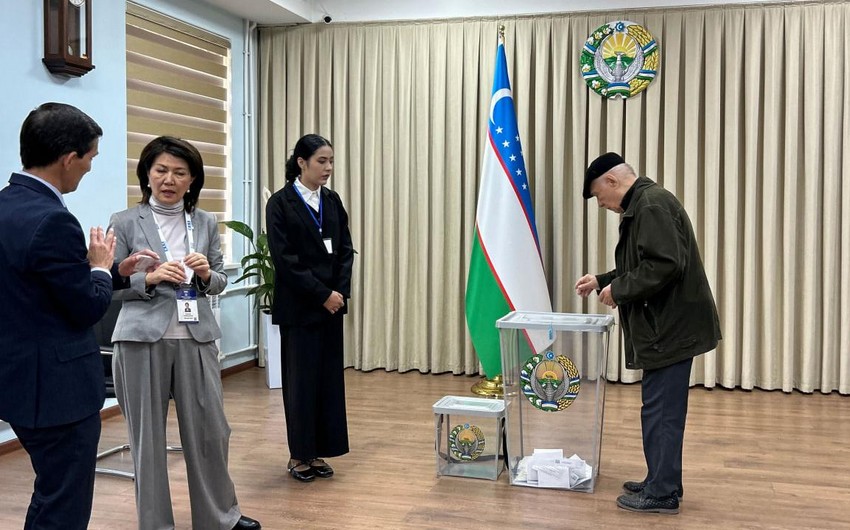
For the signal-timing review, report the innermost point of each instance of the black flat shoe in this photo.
(321, 469)
(637, 487)
(304, 476)
(640, 502)
(246, 523)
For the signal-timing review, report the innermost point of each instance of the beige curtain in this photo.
(747, 124)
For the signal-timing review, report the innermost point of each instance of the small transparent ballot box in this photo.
(468, 434)
(553, 367)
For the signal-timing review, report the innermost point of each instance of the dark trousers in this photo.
(314, 389)
(63, 458)
(665, 406)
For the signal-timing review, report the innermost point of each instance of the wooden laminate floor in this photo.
(752, 460)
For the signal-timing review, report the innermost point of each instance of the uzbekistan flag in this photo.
(506, 267)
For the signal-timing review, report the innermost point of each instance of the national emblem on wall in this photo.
(619, 59)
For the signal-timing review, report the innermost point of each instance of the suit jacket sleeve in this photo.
(59, 258)
(118, 282)
(136, 288)
(218, 279)
(605, 278)
(346, 251)
(662, 248)
(287, 264)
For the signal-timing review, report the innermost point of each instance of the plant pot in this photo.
(271, 351)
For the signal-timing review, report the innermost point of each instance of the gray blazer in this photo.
(146, 312)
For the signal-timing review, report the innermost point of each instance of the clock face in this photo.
(77, 3)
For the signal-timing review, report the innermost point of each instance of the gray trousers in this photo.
(145, 375)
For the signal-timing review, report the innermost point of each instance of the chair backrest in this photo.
(104, 328)
(103, 331)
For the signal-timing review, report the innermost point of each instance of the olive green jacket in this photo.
(667, 311)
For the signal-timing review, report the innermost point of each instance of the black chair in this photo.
(103, 330)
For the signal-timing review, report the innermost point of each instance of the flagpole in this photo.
(491, 388)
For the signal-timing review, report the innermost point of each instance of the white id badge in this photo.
(329, 245)
(187, 306)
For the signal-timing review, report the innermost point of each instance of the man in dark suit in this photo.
(55, 290)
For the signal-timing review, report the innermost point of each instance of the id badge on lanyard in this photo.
(185, 295)
(187, 305)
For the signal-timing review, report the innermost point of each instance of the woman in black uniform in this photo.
(313, 256)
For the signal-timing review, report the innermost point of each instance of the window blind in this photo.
(178, 79)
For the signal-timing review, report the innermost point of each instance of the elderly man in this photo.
(667, 313)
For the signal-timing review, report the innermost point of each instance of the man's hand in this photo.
(334, 302)
(101, 248)
(607, 298)
(128, 266)
(586, 285)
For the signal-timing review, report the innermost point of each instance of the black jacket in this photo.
(305, 273)
(666, 307)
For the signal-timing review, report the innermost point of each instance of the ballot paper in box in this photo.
(553, 368)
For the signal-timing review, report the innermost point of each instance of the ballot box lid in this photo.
(556, 321)
(470, 405)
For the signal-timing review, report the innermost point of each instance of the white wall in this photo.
(100, 93)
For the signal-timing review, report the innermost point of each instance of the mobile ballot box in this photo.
(553, 368)
(469, 435)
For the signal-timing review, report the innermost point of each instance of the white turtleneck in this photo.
(173, 225)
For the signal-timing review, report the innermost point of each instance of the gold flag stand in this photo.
(491, 388)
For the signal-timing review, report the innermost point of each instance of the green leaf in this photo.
(256, 265)
(245, 277)
(240, 228)
(256, 256)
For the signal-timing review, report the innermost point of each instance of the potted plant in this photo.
(258, 266)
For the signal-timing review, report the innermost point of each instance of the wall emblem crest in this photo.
(619, 59)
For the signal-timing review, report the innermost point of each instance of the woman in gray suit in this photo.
(163, 349)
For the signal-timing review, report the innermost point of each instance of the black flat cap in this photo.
(599, 167)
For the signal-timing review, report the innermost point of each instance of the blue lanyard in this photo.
(317, 220)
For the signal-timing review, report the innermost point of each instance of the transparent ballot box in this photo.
(468, 434)
(553, 367)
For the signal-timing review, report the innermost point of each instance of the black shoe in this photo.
(637, 487)
(321, 469)
(305, 475)
(246, 523)
(638, 502)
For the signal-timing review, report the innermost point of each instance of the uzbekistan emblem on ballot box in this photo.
(619, 59)
(466, 442)
(550, 382)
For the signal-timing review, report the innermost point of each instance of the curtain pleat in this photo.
(746, 123)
